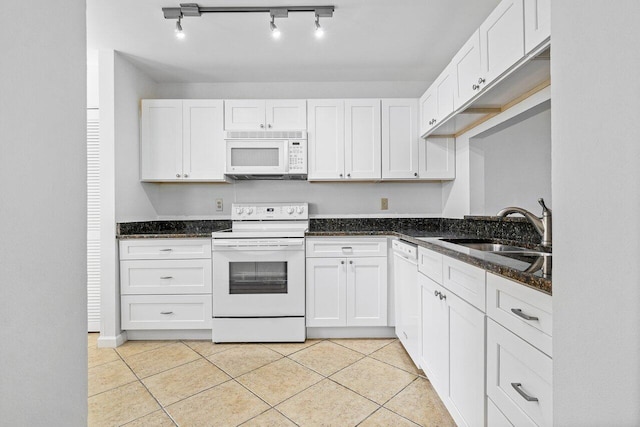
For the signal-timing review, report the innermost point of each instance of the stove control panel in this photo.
(269, 211)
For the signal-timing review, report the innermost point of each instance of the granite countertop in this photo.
(513, 269)
(425, 232)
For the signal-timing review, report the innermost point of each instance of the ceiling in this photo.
(365, 40)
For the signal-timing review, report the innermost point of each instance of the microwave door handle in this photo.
(286, 157)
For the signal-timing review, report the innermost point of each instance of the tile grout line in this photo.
(150, 394)
(392, 397)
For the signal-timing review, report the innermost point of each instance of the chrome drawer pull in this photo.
(166, 250)
(347, 248)
(166, 312)
(517, 387)
(519, 313)
(166, 277)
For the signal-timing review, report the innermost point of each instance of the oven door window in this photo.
(258, 277)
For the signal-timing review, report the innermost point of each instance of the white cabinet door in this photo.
(326, 139)
(466, 361)
(434, 355)
(326, 292)
(203, 144)
(400, 139)
(161, 144)
(467, 71)
(286, 114)
(428, 110)
(244, 114)
(437, 158)
(363, 146)
(537, 23)
(367, 291)
(502, 39)
(445, 90)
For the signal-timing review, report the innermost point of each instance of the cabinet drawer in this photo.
(346, 247)
(430, 264)
(173, 276)
(464, 280)
(495, 418)
(510, 304)
(517, 371)
(165, 248)
(166, 312)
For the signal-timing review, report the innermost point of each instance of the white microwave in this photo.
(266, 155)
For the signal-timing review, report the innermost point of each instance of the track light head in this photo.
(275, 32)
(319, 32)
(178, 30)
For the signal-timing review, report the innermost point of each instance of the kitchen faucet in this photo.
(542, 225)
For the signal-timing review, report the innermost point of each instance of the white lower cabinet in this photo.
(519, 378)
(519, 366)
(165, 284)
(453, 333)
(346, 290)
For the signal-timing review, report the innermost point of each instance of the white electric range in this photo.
(259, 274)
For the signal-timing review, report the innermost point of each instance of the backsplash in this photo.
(172, 227)
(516, 229)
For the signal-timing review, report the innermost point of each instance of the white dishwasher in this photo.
(407, 296)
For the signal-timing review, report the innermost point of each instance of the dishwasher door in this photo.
(407, 296)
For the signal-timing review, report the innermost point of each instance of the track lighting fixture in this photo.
(193, 9)
(275, 32)
(319, 30)
(179, 32)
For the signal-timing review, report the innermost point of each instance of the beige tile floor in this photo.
(347, 382)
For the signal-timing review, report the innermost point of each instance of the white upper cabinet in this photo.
(259, 114)
(161, 143)
(326, 139)
(537, 23)
(182, 140)
(203, 149)
(502, 39)
(467, 68)
(400, 139)
(286, 114)
(362, 142)
(437, 102)
(344, 139)
(437, 158)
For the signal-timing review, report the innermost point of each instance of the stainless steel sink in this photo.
(489, 245)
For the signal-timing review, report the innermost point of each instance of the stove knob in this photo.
(300, 209)
(239, 210)
(290, 210)
(249, 211)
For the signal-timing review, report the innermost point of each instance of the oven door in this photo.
(256, 157)
(258, 278)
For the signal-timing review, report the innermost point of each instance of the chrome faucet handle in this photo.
(544, 207)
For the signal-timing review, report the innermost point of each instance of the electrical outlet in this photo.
(219, 205)
(384, 204)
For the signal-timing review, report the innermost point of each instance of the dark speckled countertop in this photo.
(423, 232)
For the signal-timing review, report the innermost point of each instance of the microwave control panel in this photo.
(298, 156)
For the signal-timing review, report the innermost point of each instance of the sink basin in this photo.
(489, 245)
(485, 245)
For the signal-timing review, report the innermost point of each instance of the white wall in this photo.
(596, 191)
(512, 166)
(285, 90)
(43, 302)
(131, 85)
(457, 195)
